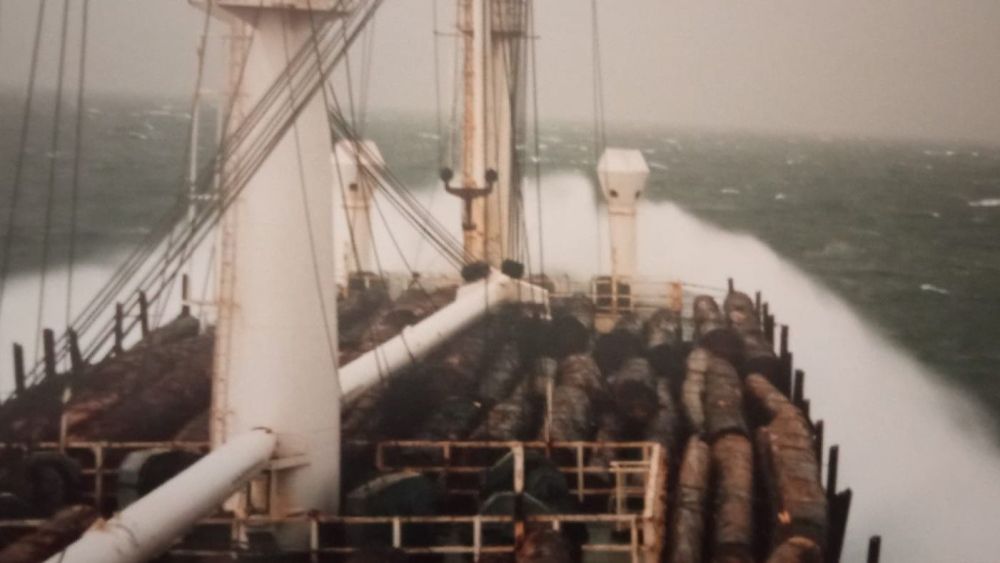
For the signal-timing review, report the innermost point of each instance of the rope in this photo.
(77, 157)
(15, 190)
(53, 169)
(331, 342)
(437, 84)
(537, 134)
(190, 189)
(251, 143)
(600, 138)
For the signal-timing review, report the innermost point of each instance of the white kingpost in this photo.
(355, 173)
(622, 174)
(493, 32)
(276, 345)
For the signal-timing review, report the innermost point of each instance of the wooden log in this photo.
(578, 307)
(633, 390)
(51, 537)
(693, 389)
(501, 375)
(796, 550)
(546, 546)
(732, 462)
(609, 429)
(572, 415)
(581, 371)
(409, 308)
(358, 309)
(664, 342)
(544, 371)
(514, 418)
(757, 353)
(612, 349)
(99, 388)
(662, 329)
(664, 428)
(707, 316)
(790, 465)
(175, 388)
(798, 503)
(723, 400)
(692, 496)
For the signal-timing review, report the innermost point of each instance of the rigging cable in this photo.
(53, 171)
(191, 188)
(15, 190)
(600, 139)
(537, 157)
(331, 341)
(437, 84)
(77, 156)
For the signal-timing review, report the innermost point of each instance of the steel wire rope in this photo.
(192, 133)
(77, 156)
(15, 189)
(277, 121)
(331, 341)
(50, 186)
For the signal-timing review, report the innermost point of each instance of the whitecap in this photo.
(658, 165)
(730, 191)
(780, 196)
(988, 202)
(934, 289)
(430, 136)
(649, 151)
(935, 214)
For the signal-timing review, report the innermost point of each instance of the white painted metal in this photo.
(416, 342)
(150, 525)
(279, 333)
(622, 174)
(471, 26)
(491, 30)
(504, 30)
(354, 184)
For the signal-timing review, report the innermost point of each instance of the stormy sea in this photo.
(882, 256)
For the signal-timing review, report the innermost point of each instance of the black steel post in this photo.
(119, 328)
(799, 391)
(19, 368)
(143, 314)
(49, 352)
(874, 549)
(75, 358)
(831, 472)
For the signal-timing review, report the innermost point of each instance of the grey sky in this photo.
(902, 68)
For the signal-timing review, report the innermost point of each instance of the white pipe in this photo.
(416, 342)
(150, 525)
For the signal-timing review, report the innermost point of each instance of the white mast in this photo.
(276, 343)
(355, 165)
(492, 30)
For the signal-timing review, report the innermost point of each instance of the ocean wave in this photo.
(730, 191)
(780, 196)
(987, 202)
(930, 288)
(658, 165)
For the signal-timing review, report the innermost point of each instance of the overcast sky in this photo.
(897, 68)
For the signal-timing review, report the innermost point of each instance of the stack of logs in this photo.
(749, 482)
